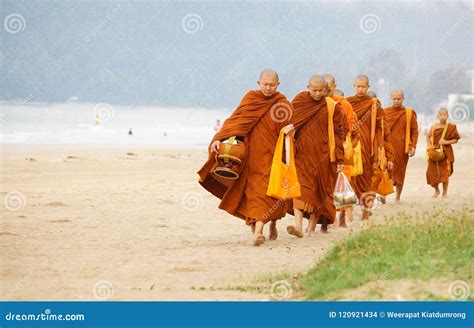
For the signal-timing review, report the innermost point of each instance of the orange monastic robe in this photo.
(258, 121)
(439, 172)
(397, 122)
(316, 173)
(362, 107)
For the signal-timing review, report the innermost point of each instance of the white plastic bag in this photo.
(344, 195)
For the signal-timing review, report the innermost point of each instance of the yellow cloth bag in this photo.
(357, 168)
(348, 151)
(283, 183)
(385, 186)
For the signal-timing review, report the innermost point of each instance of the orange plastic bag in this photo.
(283, 183)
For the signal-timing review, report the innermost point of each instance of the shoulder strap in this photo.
(331, 104)
(408, 113)
(373, 123)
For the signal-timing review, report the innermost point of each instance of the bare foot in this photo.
(311, 233)
(295, 232)
(259, 240)
(324, 225)
(445, 195)
(365, 215)
(382, 199)
(252, 226)
(342, 220)
(436, 194)
(273, 234)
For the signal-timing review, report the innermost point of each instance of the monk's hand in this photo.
(289, 129)
(215, 146)
(340, 167)
(443, 142)
(412, 152)
(389, 165)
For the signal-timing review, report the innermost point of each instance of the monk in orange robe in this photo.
(257, 121)
(440, 171)
(351, 134)
(370, 133)
(404, 137)
(319, 155)
(378, 173)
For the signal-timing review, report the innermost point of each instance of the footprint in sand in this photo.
(7, 234)
(60, 221)
(56, 204)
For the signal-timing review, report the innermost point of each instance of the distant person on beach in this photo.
(257, 121)
(130, 132)
(441, 136)
(97, 120)
(218, 126)
(319, 122)
(404, 127)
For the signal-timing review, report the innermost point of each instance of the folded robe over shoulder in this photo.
(258, 120)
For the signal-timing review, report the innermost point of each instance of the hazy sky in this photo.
(207, 54)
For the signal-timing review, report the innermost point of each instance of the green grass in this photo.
(421, 247)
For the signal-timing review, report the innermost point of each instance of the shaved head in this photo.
(317, 87)
(329, 79)
(339, 93)
(316, 79)
(361, 85)
(397, 98)
(268, 82)
(372, 94)
(398, 92)
(443, 115)
(269, 73)
(362, 77)
(331, 83)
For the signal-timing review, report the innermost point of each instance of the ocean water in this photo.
(75, 124)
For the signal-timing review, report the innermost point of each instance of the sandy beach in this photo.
(130, 223)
